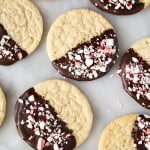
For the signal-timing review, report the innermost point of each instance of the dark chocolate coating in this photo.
(48, 114)
(101, 5)
(84, 74)
(127, 58)
(141, 135)
(10, 52)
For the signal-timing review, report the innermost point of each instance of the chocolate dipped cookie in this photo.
(2, 106)
(121, 7)
(135, 72)
(21, 28)
(129, 132)
(53, 115)
(82, 45)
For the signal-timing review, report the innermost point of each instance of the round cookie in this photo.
(21, 28)
(53, 115)
(121, 7)
(82, 45)
(129, 132)
(135, 72)
(2, 106)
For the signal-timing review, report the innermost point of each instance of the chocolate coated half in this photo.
(141, 134)
(119, 9)
(89, 60)
(38, 124)
(10, 52)
(135, 75)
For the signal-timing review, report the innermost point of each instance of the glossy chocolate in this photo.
(141, 134)
(39, 126)
(10, 52)
(118, 8)
(89, 60)
(135, 75)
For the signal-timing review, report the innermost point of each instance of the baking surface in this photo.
(106, 95)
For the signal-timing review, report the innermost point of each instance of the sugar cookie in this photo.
(2, 106)
(130, 132)
(82, 45)
(21, 28)
(121, 7)
(53, 115)
(135, 72)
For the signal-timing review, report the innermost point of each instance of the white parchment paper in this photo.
(106, 95)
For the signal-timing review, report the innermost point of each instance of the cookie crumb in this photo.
(118, 105)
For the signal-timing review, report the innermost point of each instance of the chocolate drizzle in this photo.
(135, 75)
(141, 134)
(39, 126)
(119, 7)
(10, 52)
(89, 60)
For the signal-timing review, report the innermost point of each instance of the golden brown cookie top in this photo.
(2, 106)
(121, 7)
(73, 28)
(23, 22)
(127, 132)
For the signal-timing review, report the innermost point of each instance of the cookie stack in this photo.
(82, 45)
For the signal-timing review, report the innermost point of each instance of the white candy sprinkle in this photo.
(29, 125)
(22, 122)
(42, 124)
(148, 96)
(41, 108)
(119, 71)
(70, 55)
(109, 42)
(31, 98)
(140, 142)
(40, 144)
(138, 96)
(118, 6)
(111, 76)
(141, 125)
(118, 105)
(20, 101)
(88, 62)
(135, 59)
(130, 89)
(78, 57)
(103, 69)
(27, 111)
(147, 145)
(56, 146)
(20, 56)
(37, 131)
